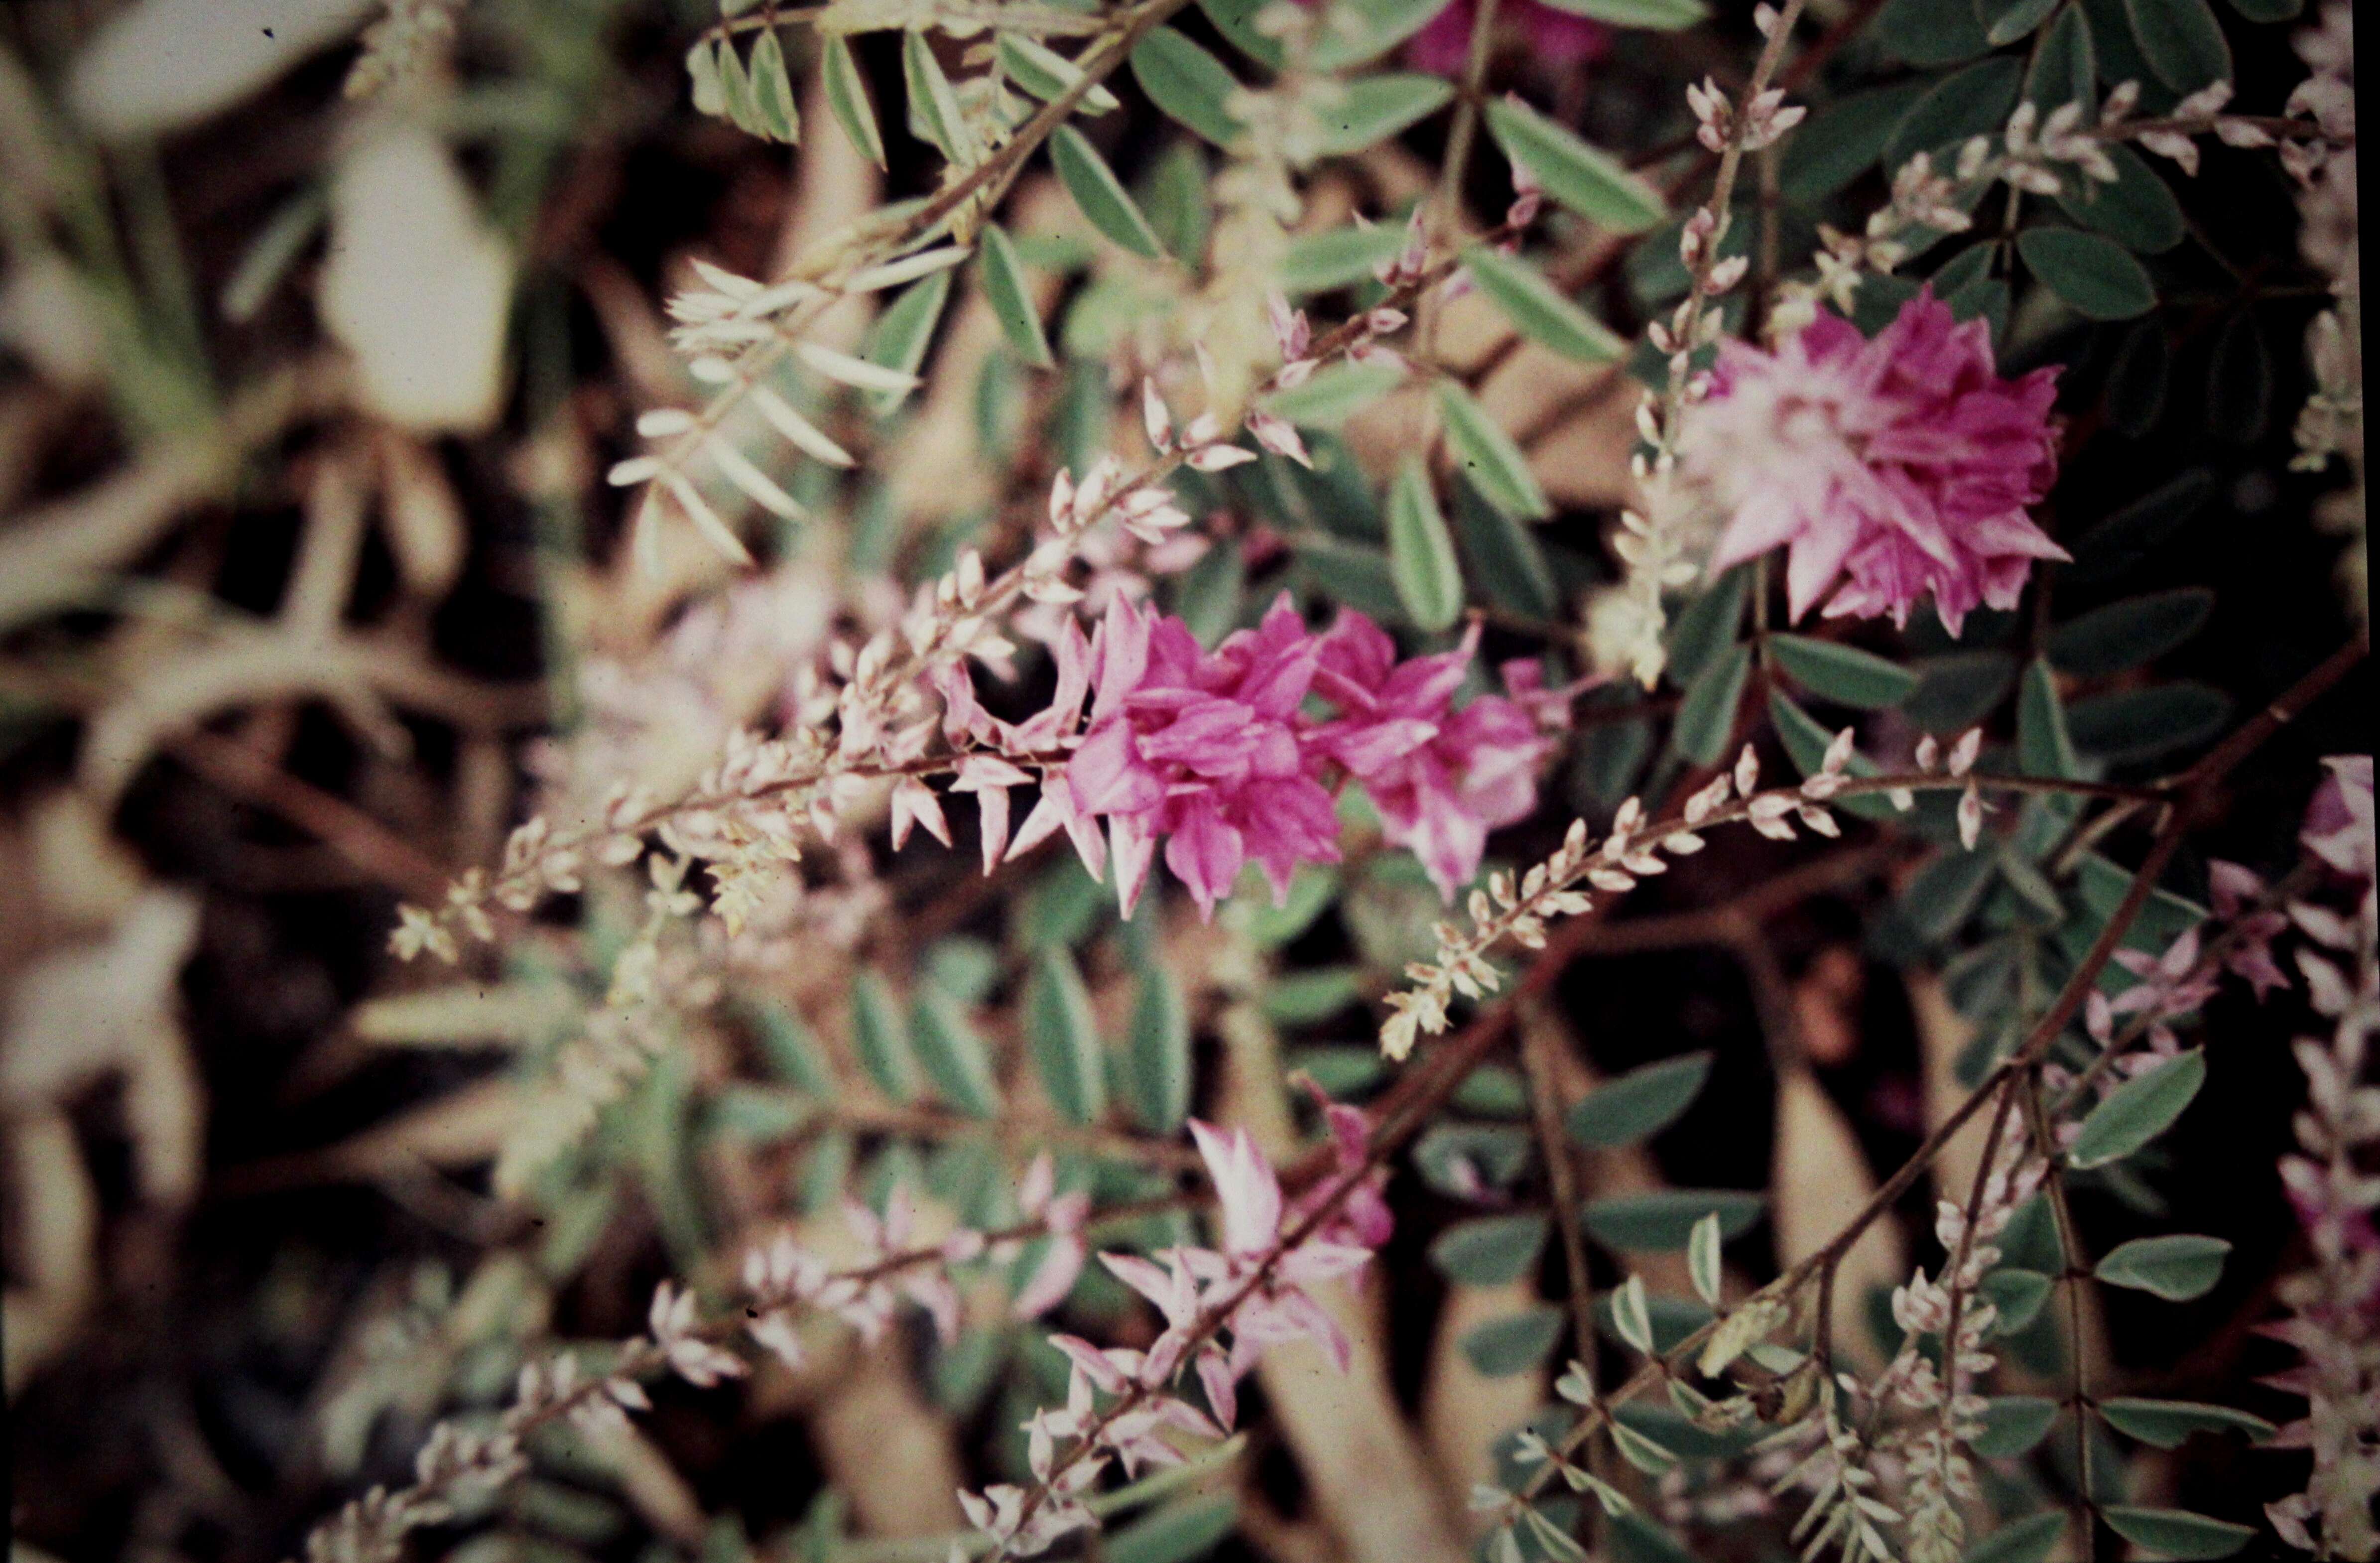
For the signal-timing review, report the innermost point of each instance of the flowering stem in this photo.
(2071, 1275)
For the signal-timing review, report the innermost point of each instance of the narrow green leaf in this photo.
(2124, 539)
(2176, 1268)
(2175, 1532)
(1644, 1453)
(1930, 32)
(1491, 1251)
(1374, 109)
(2240, 389)
(1707, 625)
(1178, 1531)
(934, 103)
(1066, 1038)
(1845, 675)
(2138, 210)
(1973, 101)
(2166, 1422)
(2044, 748)
(2005, 21)
(2013, 1425)
(1191, 86)
(1537, 311)
(1636, 1106)
(1574, 175)
(1004, 287)
(1661, 1222)
(792, 1052)
(1421, 552)
(1364, 30)
(2182, 40)
(2065, 68)
(2134, 725)
(1843, 139)
(1959, 689)
(1333, 395)
(1805, 739)
(1631, 1314)
(1049, 75)
(1160, 1053)
(1515, 1343)
(903, 331)
(736, 91)
(1336, 258)
(879, 1039)
(773, 89)
(847, 95)
(2138, 1110)
(1099, 194)
(2030, 1540)
(1174, 194)
(2096, 277)
(702, 68)
(957, 1064)
(1488, 456)
(2122, 636)
(1703, 1257)
(2016, 1296)
(1655, 16)
(1501, 557)
(1706, 715)
(2134, 396)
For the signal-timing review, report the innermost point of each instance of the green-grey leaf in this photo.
(1335, 258)
(1658, 16)
(1502, 558)
(2013, 1425)
(1707, 625)
(2175, 1532)
(955, 1061)
(934, 103)
(1421, 551)
(1539, 311)
(1011, 298)
(1491, 1251)
(1973, 101)
(1333, 395)
(2136, 725)
(2044, 747)
(1099, 194)
(1191, 86)
(1363, 29)
(1845, 675)
(878, 1036)
(1066, 1038)
(2176, 1268)
(2017, 1295)
(1186, 1529)
(1663, 1221)
(1930, 32)
(2126, 635)
(702, 68)
(1374, 109)
(1636, 1106)
(2030, 1540)
(1515, 1343)
(1591, 183)
(2096, 277)
(2005, 21)
(2124, 539)
(2138, 210)
(2138, 1110)
(2065, 67)
(773, 89)
(1958, 689)
(1160, 1053)
(2182, 40)
(2166, 1422)
(1842, 140)
(1488, 456)
(1049, 75)
(847, 95)
(1706, 715)
(903, 331)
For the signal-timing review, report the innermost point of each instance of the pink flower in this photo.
(1441, 778)
(1553, 37)
(1278, 1310)
(2236, 889)
(2338, 828)
(1202, 750)
(1898, 466)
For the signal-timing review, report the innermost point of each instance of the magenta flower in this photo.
(2338, 822)
(1202, 750)
(1278, 1310)
(1898, 466)
(1553, 37)
(1441, 778)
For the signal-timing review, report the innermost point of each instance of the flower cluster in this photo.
(1891, 469)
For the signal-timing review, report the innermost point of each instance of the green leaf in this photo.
(736, 91)
(1160, 1053)
(1189, 85)
(2182, 40)
(772, 90)
(1305, 998)
(1706, 715)
(1333, 395)
(1236, 20)
(1805, 739)
(1707, 625)
(792, 1052)
(903, 331)
(2096, 277)
(1352, 573)
(1374, 109)
(2176, 1268)
(1174, 193)
(1101, 196)
(2030, 1540)
(847, 95)
(1421, 552)
(1657, 16)
(1843, 139)
(2125, 635)
(702, 68)
(2240, 382)
(1208, 596)
(2138, 210)
(2175, 1532)
(1488, 456)
(2137, 725)
(1339, 257)
(1663, 1221)
(2018, 1295)
(879, 1039)
(1574, 175)
(1959, 689)
(1049, 75)
(2065, 67)
(2013, 1425)
(2138, 1110)
(1930, 32)
(2268, 10)
(1311, 891)
(1636, 1106)
(1515, 1343)
(2124, 539)
(2135, 388)
(1364, 30)
(1845, 675)
(1647, 1454)
(2166, 1422)
(1631, 1314)
(1066, 1038)
(934, 103)
(1491, 1251)
(2044, 747)
(1011, 298)
(1973, 102)
(1179, 1532)
(1503, 559)
(1537, 311)
(2005, 21)
(956, 1060)
(1703, 1259)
